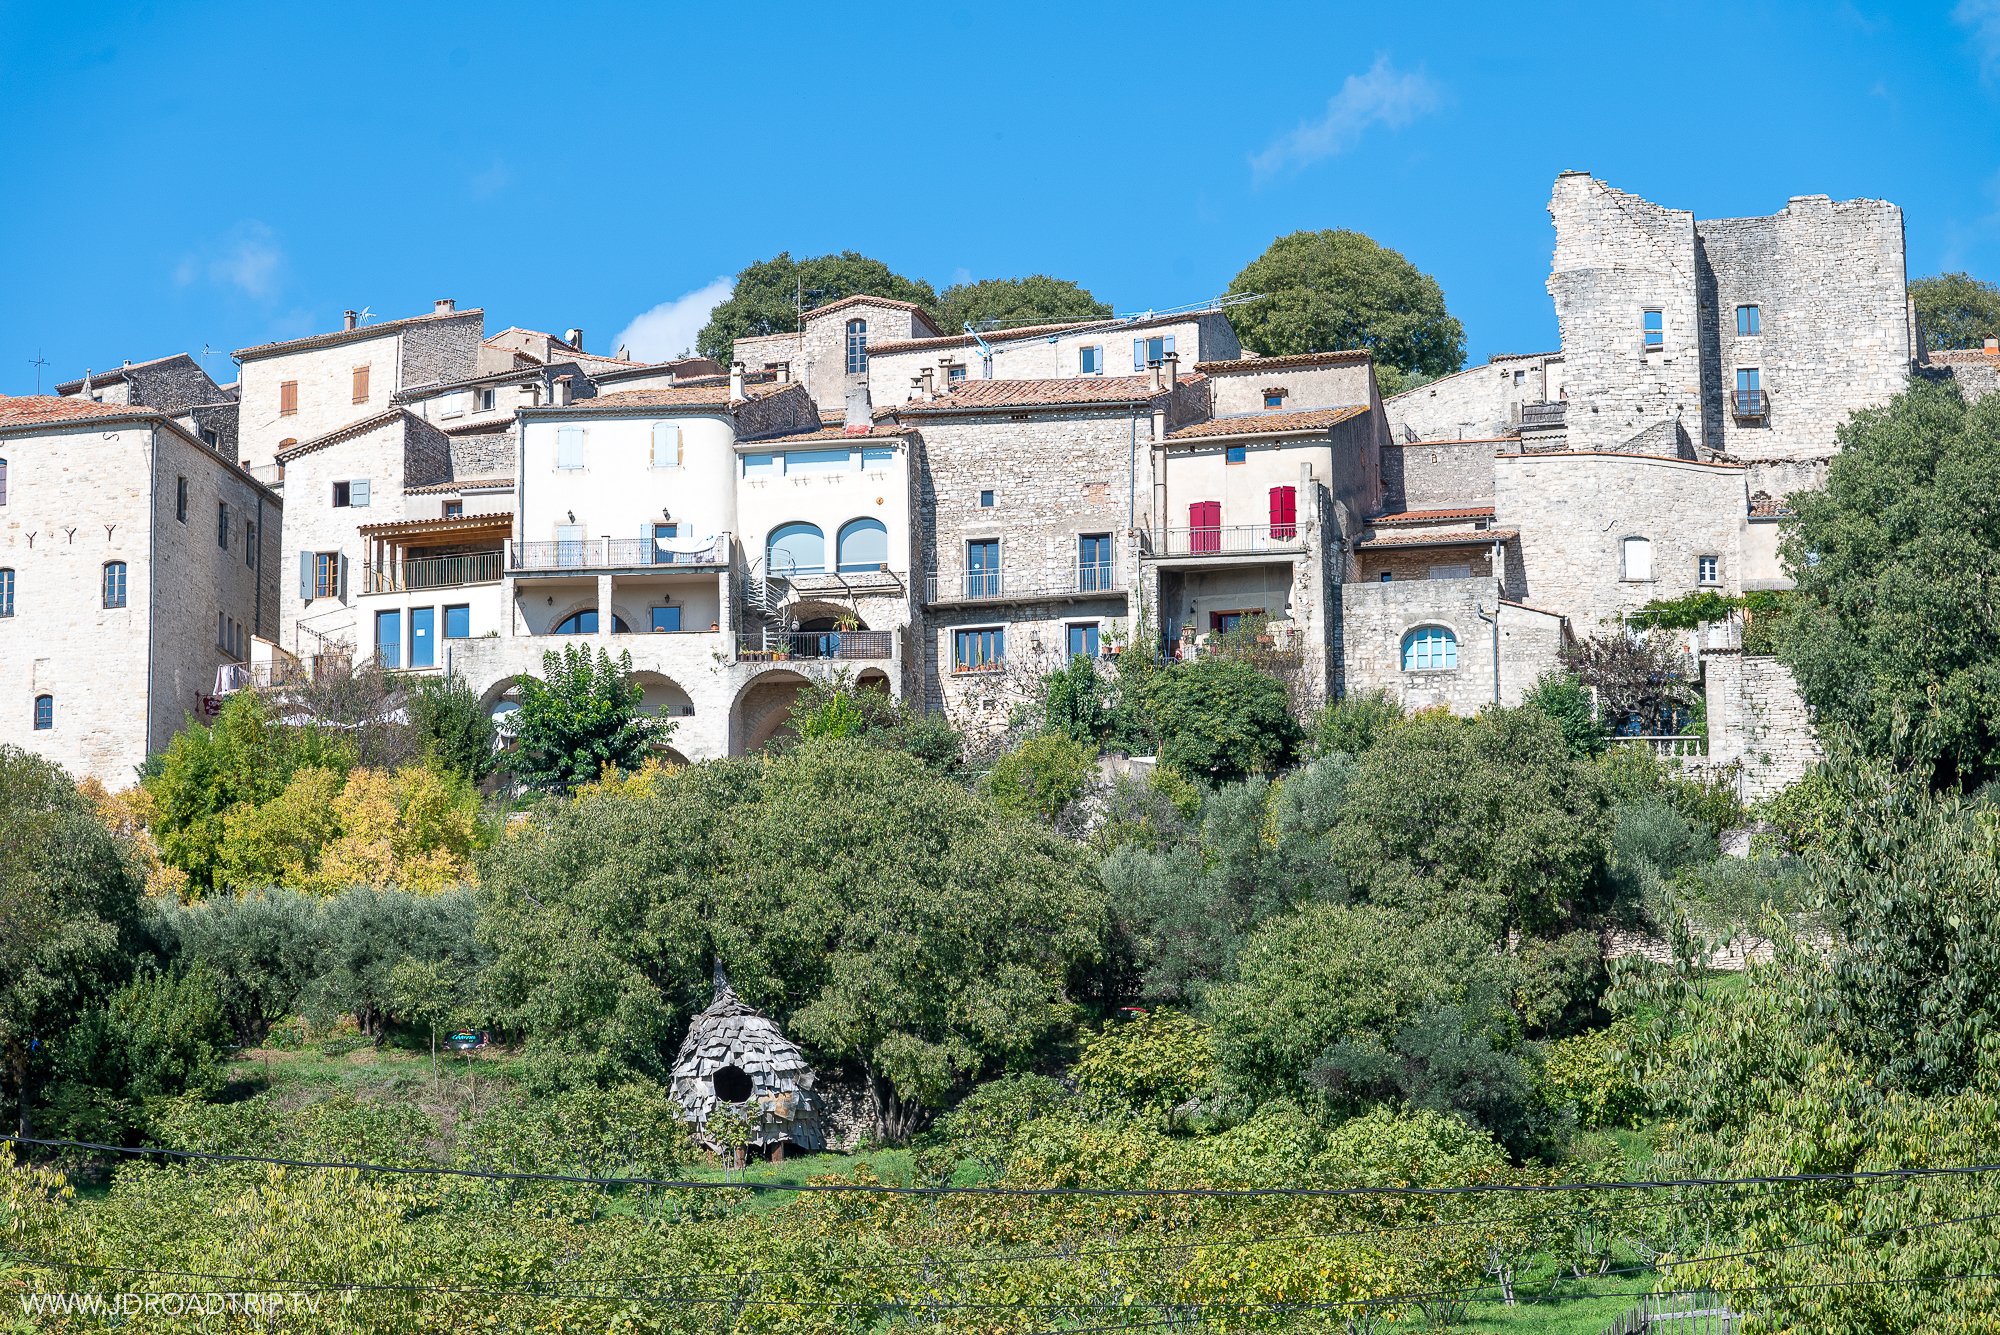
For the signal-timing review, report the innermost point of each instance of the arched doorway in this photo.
(762, 711)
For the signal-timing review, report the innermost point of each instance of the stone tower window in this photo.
(6, 593)
(1655, 325)
(45, 713)
(114, 584)
(1638, 558)
(1429, 649)
(857, 347)
(1748, 322)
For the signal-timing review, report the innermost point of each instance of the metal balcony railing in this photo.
(1749, 403)
(1224, 539)
(838, 644)
(1082, 577)
(606, 554)
(1665, 746)
(435, 572)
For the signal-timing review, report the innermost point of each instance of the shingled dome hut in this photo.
(735, 1055)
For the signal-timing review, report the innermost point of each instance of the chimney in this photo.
(916, 390)
(1156, 368)
(860, 421)
(1173, 369)
(735, 380)
(351, 317)
(559, 397)
(574, 337)
(1159, 423)
(944, 373)
(930, 384)
(784, 373)
(1992, 346)
(444, 306)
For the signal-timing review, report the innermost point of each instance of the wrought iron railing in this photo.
(1749, 403)
(436, 572)
(1082, 577)
(607, 554)
(796, 644)
(1223, 539)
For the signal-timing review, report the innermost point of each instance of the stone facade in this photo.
(1438, 475)
(1757, 720)
(1476, 403)
(171, 385)
(1378, 621)
(817, 353)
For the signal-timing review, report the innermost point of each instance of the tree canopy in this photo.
(1330, 290)
(766, 296)
(1002, 303)
(1894, 633)
(1956, 310)
(581, 717)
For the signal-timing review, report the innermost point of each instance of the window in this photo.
(666, 445)
(1274, 399)
(1237, 454)
(114, 584)
(389, 639)
(454, 509)
(957, 372)
(1093, 563)
(1205, 526)
(864, 546)
(1083, 641)
(453, 404)
(1655, 325)
(978, 650)
(1284, 512)
(877, 456)
(423, 637)
(569, 447)
(818, 461)
(1451, 572)
(1749, 392)
(1090, 361)
(222, 525)
(763, 465)
(666, 619)
(6, 593)
(797, 548)
(181, 499)
(663, 543)
(982, 568)
(1387, 577)
(45, 712)
(1429, 648)
(341, 493)
(986, 500)
(486, 400)
(458, 622)
(1708, 569)
(325, 572)
(1145, 350)
(250, 542)
(1638, 558)
(1520, 377)
(288, 398)
(857, 347)
(1748, 322)
(361, 384)
(1224, 623)
(585, 623)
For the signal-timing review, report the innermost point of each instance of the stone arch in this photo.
(662, 692)
(810, 611)
(758, 715)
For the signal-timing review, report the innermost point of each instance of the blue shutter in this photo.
(357, 492)
(1138, 355)
(344, 593)
(1167, 345)
(305, 577)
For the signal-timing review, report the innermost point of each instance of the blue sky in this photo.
(222, 174)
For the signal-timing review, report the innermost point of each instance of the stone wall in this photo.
(1239, 389)
(427, 456)
(1375, 619)
(481, 454)
(441, 349)
(1477, 403)
(220, 419)
(1437, 475)
(1757, 719)
(789, 410)
(313, 524)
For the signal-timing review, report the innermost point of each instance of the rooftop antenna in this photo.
(38, 363)
(365, 316)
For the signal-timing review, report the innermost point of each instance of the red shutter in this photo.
(1205, 526)
(1284, 512)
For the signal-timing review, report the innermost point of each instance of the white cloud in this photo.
(1983, 17)
(1381, 96)
(669, 328)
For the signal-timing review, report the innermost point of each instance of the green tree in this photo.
(1331, 290)
(457, 735)
(1353, 723)
(262, 950)
(161, 1035)
(1221, 719)
(1004, 303)
(766, 296)
(1041, 778)
(1156, 1061)
(581, 718)
(1893, 633)
(1491, 817)
(840, 707)
(69, 899)
(1566, 700)
(1077, 702)
(1956, 310)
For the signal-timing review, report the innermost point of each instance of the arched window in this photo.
(666, 445)
(114, 584)
(1638, 558)
(585, 623)
(6, 593)
(864, 546)
(796, 549)
(45, 712)
(857, 347)
(1429, 647)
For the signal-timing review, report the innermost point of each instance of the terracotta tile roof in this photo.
(665, 396)
(1264, 424)
(1434, 516)
(1482, 538)
(348, 432)
(32, 409)
(460, 484)
(909, 306)
(351, 335)
(1344, 357)
(1521, 357)
(990, 396)
(488, 426)
(1762, 506)
(117, 374)
(1476, 440)
(835, 432)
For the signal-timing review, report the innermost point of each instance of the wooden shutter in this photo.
(569, 447)
(288, 397)
(305, 577)
(666, 445)
(357, 492)
(1138, 355)
(361, 384)
(1166, 345)
(1284, 512)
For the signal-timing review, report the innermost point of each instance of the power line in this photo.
(853, 1188)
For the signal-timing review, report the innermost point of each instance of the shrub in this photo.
(1041, 777)
(1156, 1061)
(1564, 698)
(1354, 723)
(1221, 719)
(1587, 1076)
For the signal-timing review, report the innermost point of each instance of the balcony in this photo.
(1081, 580)
(1224, 540)
(610, 554)
(434, 572)
(1541, 415)
(1749, 405)
(845, 645)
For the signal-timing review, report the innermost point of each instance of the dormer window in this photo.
(857, 347)
(1274, 398)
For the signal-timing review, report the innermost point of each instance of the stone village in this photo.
(922, 508)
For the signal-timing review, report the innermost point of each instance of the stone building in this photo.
(135, 563)
(829, 353)
(737, 1058)
(176, 386)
